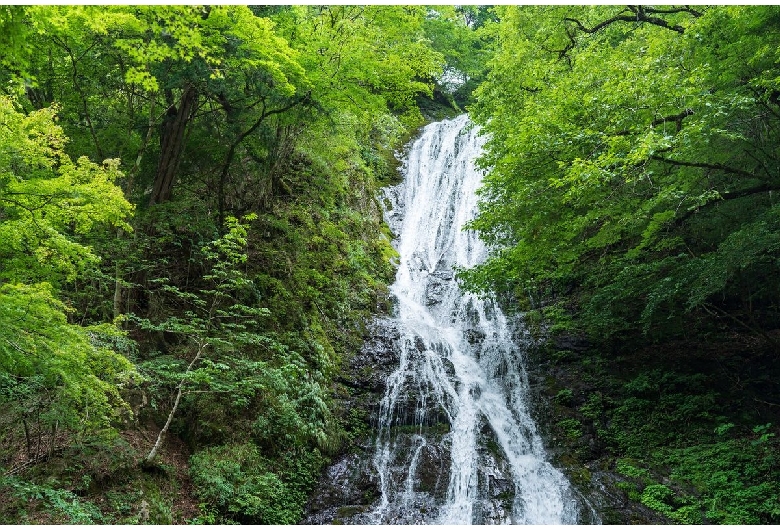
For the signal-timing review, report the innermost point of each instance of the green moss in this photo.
(564, 397)
(348, 511)
(580, 476)
(494, 448)
(631, 490)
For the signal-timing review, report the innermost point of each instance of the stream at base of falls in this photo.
(454, 441)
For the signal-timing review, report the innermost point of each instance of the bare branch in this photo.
(180, 391)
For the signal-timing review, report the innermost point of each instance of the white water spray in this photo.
(460, 387)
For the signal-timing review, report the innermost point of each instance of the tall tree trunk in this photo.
(128, 195)
(27, 438)
(172, 144)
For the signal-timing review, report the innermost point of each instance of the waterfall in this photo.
(455, 441)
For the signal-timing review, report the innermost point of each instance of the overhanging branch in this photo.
(704, 165)
(677, 119)
(639, 14)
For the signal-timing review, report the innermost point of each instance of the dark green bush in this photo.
(243, 486)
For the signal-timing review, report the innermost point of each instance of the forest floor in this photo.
(662, 433)
(105, 483)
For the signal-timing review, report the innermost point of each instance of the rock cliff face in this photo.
(453, 440)
(350, 489)
(440, 386)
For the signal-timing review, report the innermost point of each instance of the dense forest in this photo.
(634, 157)
(192, 244)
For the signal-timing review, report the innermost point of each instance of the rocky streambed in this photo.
(349, 490)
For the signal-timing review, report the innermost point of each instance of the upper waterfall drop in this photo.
(455, 439)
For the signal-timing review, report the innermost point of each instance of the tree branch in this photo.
(704, 165)
(676, 118)
(241, 137)
(758, 331)
(672, 10)
(728, 195)
(180, 390)
(75, 78)
(638, 14)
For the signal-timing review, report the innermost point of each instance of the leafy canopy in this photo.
(47, 201)
(631, 152)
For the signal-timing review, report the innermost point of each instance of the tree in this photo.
(625, 145)
(364, 60)
(48, 203)
(138, 69)
(463, 34)
(55, 377)
(225, 353)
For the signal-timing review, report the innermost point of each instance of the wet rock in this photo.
(434, 293)
(368, 369)
(576, 343)
(500, 488)
(346, 490)
(473, 336)
(434, 471)
(445, 274)
(497, 490)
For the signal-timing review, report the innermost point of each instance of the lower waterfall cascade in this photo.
(454, 440)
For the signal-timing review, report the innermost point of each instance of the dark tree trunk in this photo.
(172, 144)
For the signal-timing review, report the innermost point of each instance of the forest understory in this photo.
(192, 246)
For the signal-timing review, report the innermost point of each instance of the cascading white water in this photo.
(460, 387)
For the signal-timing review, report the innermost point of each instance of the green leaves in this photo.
(252, 489)
(47, 202)
(55, 368)
(54, 373)
(63, 505)
(227, 361)
(364, 59)
(625, 140)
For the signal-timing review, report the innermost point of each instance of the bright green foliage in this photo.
(139, 78)
(54, 376)
(48, 202)
(215, 38)
(463, 34)
(53, 371)
(634, 153)
(364, 59)
(13, 35)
